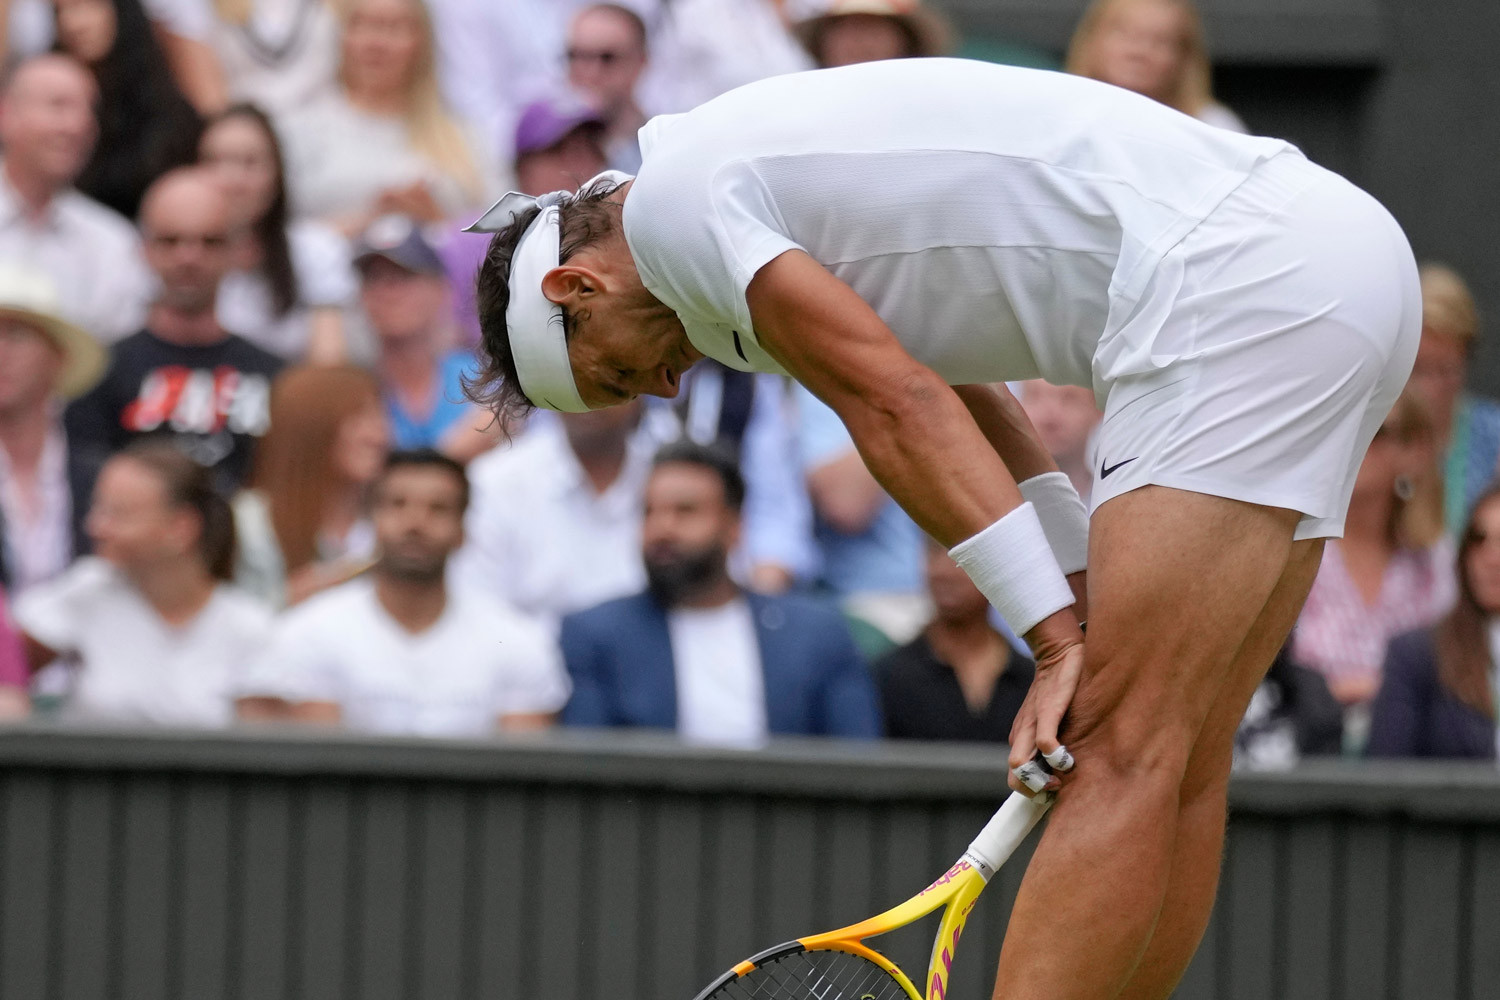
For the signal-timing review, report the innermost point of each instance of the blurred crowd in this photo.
(240, 482)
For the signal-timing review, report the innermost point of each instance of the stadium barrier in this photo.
(272, 865)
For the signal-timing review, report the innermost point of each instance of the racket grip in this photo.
(1005, 831)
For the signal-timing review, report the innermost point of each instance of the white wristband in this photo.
(1012, 565)
(1064, 518)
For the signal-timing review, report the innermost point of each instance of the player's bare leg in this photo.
(1177, 582)
(1204, 796)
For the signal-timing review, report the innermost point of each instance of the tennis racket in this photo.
(839, 965)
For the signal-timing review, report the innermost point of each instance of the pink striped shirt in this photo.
(1343, 638)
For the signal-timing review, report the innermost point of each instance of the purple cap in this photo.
(544, 123)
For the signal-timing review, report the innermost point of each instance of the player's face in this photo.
(624, 342)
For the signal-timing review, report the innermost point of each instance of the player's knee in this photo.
(1136, 750)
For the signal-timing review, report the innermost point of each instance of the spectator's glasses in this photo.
(604, 57)
(208, 241)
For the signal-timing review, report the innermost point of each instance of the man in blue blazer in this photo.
(695, 653)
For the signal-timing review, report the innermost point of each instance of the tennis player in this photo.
(886, 231)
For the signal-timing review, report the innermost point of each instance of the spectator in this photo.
(302, 523)
(1467, 426)
(1438, 696)
(555, 525)
(154, 632)
(279, 56)
(400, 652)
(91, 253)
(748, 414)
(1390, 573)
(146, 126)
(697, 654)
(14, 702)
(846, 32)
(703, 48)
(291, 279)
(181, 27)
(405, 296)
(871, 552)
(45, 481)
(559, 145)
(606, 57)
(1065, 418)
(184, 376)
(383, 143)
(1153, 47)
(495, 56)
(960, 679)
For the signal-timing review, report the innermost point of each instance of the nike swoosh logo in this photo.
(1106, 470)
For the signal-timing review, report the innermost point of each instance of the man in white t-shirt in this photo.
(398, 651)
(884, 231)
(697, 654)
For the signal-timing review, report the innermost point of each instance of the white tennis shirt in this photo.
(1003, 222)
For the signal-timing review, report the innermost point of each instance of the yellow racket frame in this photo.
(957, 890)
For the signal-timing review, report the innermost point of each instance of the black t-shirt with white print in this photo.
(212, 401)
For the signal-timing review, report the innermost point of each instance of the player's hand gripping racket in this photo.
(839, 966)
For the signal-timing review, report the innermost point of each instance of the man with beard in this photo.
(695, 652)
(397, 651)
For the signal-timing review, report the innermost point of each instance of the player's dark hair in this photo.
(716, 458)
(427, 458)
(588, 219)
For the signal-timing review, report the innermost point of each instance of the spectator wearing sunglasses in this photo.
(184, 377)
(606, 53)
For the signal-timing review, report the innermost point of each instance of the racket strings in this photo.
(814, 975)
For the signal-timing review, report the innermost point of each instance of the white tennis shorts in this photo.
(1286, 324)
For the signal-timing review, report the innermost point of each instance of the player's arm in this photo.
(918, 439)
(1004, 422)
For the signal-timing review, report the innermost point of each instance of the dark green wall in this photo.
(165, 866)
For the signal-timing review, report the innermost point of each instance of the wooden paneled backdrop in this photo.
(273, 866)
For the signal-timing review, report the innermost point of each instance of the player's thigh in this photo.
(1177, 581)
(1209, 763)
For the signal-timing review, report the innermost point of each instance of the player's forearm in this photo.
(1008, 429)
(920, 444)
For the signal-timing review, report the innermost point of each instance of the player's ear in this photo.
(568, 286)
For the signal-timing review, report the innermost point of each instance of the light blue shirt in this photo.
(884, 558)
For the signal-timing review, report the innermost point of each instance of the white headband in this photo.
(538, 340)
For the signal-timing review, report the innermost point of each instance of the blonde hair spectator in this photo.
(1153, 47)
(434, 132)
(1467, 427)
